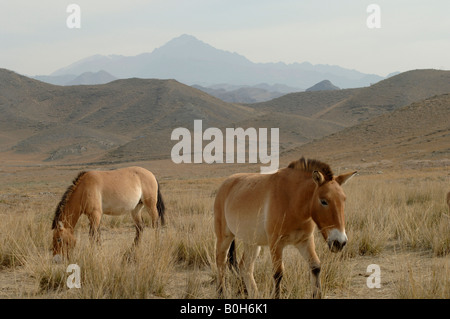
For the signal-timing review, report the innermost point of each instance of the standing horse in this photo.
(115, 192)
(277, 210)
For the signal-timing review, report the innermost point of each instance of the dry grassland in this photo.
(399, 222)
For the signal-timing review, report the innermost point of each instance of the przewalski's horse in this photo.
(277, 210)
(114, 192)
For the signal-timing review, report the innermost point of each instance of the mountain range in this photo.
(240, 94)
(351, 106)
(191, 61)
(132, 119)
(86, 78)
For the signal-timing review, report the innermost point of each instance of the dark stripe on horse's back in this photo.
(65, 198)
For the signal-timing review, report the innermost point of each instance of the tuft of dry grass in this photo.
(431, 282)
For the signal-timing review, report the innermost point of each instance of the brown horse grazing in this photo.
(115, 192)
(277, 210)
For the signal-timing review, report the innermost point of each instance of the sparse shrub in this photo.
(194, 252)
(189, 254)
(428, 283)
(51, 278)
(367, 246)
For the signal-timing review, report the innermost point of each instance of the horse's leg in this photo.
(246, 267)
(150, 204)
(138, 223)
(308, 251)
(94, 226)
(276, 252)
(222, 245)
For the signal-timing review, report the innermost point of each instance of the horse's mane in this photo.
(65, 199)
(311, 165)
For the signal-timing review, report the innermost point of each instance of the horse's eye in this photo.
(323, 202)
(59, 240)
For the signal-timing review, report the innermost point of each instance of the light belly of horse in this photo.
(119, 207)
(248, 225)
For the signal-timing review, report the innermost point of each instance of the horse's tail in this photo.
(160, 206)
(232, 261)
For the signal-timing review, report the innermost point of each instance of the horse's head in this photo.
(328, 209)
(63, 241)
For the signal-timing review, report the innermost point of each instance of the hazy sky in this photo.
(34, 37)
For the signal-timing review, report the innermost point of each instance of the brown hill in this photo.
(132, 119)
(351, 106)
(324, 85)
(57, 122)
(124, 120)
(388, 95)
(305, 103)
(417, 134)
(294, 129)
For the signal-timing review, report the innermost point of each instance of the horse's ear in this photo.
(318, 178)
(342, 179)
(60, 225)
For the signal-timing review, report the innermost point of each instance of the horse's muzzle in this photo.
(57, 259)
(336, 246)
(336, 240)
